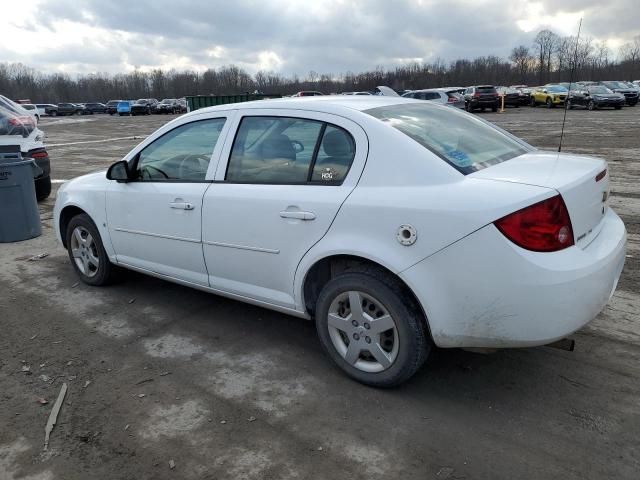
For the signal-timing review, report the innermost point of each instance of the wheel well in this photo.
(65, 217)
(327, 268)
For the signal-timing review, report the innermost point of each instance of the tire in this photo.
(54, 113)
(532, 103)
(91, 250)
(569, 105)
(400, 350)
(494, 109)
(618, 107)
(467, 107)
(43, 188)
(550, 103)
(591, 105)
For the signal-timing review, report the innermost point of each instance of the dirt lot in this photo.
(157, 372)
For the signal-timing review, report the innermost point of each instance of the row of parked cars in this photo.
(587, 94)
(123, 107)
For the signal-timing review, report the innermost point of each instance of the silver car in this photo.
(445, 96)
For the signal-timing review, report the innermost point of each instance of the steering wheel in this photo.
(146, 167)
(183, 169)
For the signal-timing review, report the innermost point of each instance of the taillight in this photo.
(601, 175)
(542, 227)
(476, 94)
(39, 154)
(451, 99)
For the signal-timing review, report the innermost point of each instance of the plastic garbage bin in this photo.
(19, 216)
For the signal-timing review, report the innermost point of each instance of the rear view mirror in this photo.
(119, 172)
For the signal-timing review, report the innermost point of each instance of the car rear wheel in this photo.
(532, 102)
(43, 188)
(87, 253)
(370, 329)
(591, 105)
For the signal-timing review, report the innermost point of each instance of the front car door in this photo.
(154, 221)
(279, 185)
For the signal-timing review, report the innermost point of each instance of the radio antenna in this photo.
(573, 69)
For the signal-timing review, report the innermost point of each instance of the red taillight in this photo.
(601, 175)
(543, 227)
(39, 154)
(451, 99)
(476, 94)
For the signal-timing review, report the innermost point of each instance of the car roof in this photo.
(325, 103)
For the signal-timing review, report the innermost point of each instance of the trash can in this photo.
(19, 216)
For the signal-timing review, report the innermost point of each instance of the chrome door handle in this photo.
(297, 214)
(181, 205)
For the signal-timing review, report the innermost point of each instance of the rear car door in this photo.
(279, 185)
(154, 221)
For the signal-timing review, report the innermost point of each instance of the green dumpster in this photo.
(195, 102)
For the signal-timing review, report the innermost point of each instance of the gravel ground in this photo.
(161, 375)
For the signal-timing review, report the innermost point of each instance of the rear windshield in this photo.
(486, 89)
(462, 140)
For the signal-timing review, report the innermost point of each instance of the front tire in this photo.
(550, 103)
(86, 252)
(371, 329)
(591, 105)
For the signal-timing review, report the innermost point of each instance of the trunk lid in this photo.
(582, 181)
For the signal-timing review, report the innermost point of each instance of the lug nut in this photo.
(356, 336)
(367, 339)
(354, 323)
(367, 326)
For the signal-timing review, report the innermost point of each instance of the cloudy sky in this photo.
(289, 36)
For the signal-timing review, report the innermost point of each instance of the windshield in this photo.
(168, 101)
(142, 101)
(613, 84)
(463, 141)
(599, 89)
(556, 89)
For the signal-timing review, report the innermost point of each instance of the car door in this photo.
(154, 221)
(279, 185)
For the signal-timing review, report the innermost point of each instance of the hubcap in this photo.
(363, 332)
(84, 251)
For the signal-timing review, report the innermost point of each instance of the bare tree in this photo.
(544, 45)
(522, 60)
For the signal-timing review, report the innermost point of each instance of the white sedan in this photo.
(396, 224)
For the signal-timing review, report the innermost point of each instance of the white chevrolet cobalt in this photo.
(396, 224)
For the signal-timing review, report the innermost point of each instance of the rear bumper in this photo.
(484, 291)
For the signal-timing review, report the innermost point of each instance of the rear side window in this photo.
(284, 150)
(463, 141)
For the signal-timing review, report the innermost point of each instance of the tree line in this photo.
(550, 58)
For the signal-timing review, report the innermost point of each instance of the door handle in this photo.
(297, 214)
(181, 205)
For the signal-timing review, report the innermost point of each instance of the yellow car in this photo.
(549, 95)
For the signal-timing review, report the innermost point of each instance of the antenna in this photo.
(573, 69)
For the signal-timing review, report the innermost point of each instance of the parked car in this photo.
(168, 105)
(96, 107)
(18, 128)
(512, 97)
(593, 97)
(481, 97)
(630, 94)
(182, 103)
(47, 109)
(69, 109)
(32, 109)
(124, 107)
(550, 95)
(438, 95)
(383, 280)
(144, 106)
(525, 93)
(307, 93)
(356, 93)
(112, 106)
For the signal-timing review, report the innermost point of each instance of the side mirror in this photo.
(119, 172)
(544, 91)
(586, 94)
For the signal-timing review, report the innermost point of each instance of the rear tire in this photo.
(43, 188)
(380, 356)
(532, 103)
(86, 252)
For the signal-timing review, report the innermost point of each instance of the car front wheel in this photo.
(591, 105)
(370, 329)
(87, 253)
(550, 103)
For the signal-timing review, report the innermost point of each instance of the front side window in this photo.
(283, 150)
(183, 154)
(465, 142)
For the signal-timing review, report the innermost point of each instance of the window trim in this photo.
(136, 158)
(311, 163)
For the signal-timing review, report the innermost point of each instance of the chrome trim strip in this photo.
(242, 247)
(159, 235)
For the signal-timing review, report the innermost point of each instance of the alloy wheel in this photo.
(85, 251)
(363, 332)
